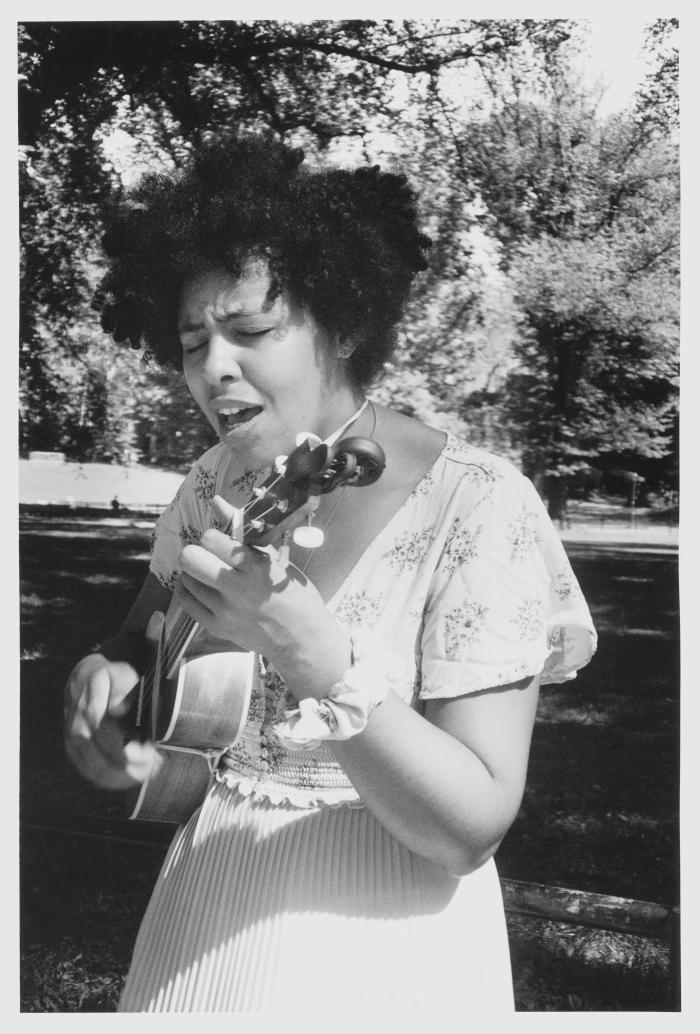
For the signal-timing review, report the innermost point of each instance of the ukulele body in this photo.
(195, 715)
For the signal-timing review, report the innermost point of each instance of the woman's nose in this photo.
(221, 361)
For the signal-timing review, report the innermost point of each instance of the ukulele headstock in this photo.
(291, 494)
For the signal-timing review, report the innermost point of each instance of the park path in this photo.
(43, 481)
(643, 537)
(49, 481)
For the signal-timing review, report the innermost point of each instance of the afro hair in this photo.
(344, 243)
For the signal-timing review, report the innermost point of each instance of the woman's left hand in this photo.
(249, 597)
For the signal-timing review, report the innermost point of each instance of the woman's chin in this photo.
(251, 450)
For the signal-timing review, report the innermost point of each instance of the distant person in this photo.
(116, 505)
(352, 868)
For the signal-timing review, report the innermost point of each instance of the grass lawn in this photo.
(599, 813)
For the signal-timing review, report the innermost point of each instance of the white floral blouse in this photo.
(468, 585)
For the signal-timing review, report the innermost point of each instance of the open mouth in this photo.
(232, 418)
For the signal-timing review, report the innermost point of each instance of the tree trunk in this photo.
(556, 491)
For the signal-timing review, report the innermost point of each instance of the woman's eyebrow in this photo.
(226, 312)
(194, 323)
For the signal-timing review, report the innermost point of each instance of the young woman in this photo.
(353, 868)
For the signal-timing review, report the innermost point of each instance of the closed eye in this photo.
(232, 332)
(252, 333)
(248, 325)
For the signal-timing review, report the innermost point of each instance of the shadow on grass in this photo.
(599, 812)
(560, 967)
(76, 944)
(601, 805)
(80, 917)
(76, 588)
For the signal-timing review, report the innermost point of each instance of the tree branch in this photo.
(185, 107)
(455, 140)
(266, 103)
(651, 258)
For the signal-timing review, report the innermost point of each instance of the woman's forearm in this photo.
(427, 788)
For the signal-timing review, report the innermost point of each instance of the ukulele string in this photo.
(184, 628)
(367, 404)
(184, 624)
(325, 525)
(147, 691)
(178, 639)
(171, 649)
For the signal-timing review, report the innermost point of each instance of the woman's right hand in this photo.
(96, 700)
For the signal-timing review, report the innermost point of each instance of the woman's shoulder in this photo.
(213, 459)
(202, 481)
(428, 457)
(413, 438)
(448, 474)
(472, 460)
(411, 447)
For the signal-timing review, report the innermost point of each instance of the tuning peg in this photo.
(260, 493)
(281, 465)
(308, 536)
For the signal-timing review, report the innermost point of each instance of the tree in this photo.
(586, 210)
(162, 86)
(656, 103)
(597, 381)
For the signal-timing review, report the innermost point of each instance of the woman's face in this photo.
(259, 374)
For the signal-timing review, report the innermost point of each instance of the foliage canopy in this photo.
(546, 326)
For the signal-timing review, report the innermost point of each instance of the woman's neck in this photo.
(342, 407)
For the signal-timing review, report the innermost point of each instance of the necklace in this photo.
(334, 437)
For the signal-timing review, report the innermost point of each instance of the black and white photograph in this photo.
(349, 448)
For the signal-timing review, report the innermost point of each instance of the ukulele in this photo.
(192, 700)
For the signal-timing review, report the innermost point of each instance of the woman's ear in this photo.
(345, 348)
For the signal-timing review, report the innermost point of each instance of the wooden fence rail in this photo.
(624, 915)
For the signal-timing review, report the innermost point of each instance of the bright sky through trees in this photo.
(614, 56)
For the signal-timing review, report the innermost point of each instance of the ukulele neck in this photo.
(178, 632)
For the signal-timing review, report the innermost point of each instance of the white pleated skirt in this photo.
(265, 907)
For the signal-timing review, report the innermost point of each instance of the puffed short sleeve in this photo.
(504, 602)
(184, 520)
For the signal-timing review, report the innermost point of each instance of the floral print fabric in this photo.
(468, 584)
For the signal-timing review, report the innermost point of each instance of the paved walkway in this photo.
(643, 536)
(45, 481)
(95, 484)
